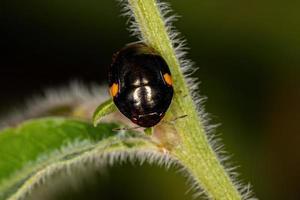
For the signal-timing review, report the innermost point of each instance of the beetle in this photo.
(140, 84)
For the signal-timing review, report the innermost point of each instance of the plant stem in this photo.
(194, 151)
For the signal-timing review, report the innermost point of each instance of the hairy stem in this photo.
(194, 150)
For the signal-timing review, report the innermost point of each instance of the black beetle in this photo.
(140, 84)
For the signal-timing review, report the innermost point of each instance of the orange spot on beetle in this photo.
(114, 89)
(168, 79)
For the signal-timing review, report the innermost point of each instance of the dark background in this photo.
(248, 53)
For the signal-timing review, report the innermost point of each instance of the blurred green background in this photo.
(248, 53)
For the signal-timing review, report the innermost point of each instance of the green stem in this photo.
(194, 151)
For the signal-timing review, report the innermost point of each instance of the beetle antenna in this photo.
(175, 119)
(180, 117)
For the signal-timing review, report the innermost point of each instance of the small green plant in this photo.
(54, 145)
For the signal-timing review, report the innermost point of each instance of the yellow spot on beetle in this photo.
(168, 79)
(114, 89)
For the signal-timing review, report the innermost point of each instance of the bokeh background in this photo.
(248, 53)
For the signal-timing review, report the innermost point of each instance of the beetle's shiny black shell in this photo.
(142, 93)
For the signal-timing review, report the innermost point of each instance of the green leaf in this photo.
(103, 109)
(148, 131)
(25, 148)
(34, 150)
